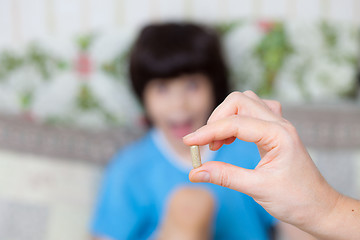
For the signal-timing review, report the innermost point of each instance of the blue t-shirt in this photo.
(139, 179)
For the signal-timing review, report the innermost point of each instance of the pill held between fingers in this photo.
(195, 155)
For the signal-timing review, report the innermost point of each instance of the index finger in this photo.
(245, 104)
(263, 133)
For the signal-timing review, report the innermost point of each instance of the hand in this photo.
(285, 182)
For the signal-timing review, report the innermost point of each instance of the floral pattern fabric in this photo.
(84, 82)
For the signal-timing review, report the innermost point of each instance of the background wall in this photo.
(23, 20)
(74, 53)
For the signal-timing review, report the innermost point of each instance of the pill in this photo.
(195, 155)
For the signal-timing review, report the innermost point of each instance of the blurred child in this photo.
(179, 75)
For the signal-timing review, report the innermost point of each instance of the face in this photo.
(180, 105)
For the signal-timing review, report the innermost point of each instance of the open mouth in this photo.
(180, 129)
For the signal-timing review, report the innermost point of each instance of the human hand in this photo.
(285, 182)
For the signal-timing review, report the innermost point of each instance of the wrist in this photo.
(340, 222)
(344, 221)
(329, 221)
(320, 214)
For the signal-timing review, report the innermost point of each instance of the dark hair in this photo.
(172, 49)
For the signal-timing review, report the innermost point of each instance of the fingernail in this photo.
(202, 176)
(189, 135)
(211, 145)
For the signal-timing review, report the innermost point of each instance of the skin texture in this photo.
(286, 182)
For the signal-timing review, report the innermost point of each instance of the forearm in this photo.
(341, 223)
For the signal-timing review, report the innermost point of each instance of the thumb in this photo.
(226, 175)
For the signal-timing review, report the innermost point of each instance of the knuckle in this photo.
(234, 95)
(289, 131)
(288, 126)
(279, 129)
(250, 93)
(233, 124)
(224, 179)
(277, 105)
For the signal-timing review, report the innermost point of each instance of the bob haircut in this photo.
(172, 49)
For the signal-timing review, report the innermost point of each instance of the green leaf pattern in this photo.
(274, 63)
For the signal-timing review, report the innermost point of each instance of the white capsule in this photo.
(195, 155)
